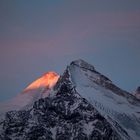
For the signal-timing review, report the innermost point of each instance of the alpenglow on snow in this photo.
(81, 104)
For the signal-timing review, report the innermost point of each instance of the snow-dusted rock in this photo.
(82, 105)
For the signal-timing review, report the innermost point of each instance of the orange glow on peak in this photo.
(48, 80)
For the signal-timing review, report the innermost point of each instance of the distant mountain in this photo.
(82, 104)
(38, 89)
(137, 94)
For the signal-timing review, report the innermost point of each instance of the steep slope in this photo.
(120, 108)
(82, 105)
(63, 115)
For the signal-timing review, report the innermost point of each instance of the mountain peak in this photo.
(83, 64)
(47, 80)
(137, 94)
(82, 97)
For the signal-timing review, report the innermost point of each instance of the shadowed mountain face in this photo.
(82, 105)
(137, 94)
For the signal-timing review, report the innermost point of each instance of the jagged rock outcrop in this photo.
(83, 105)
(137, 94)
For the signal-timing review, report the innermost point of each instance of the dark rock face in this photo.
(138, 89)
(65, 116)
(137, 94)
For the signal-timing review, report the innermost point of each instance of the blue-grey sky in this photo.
(37, 36)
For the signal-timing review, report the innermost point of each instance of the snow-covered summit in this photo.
(39, 88)
(46, 81)
(88, 69)
(83, 64)
(119, 107)
(84, 104)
